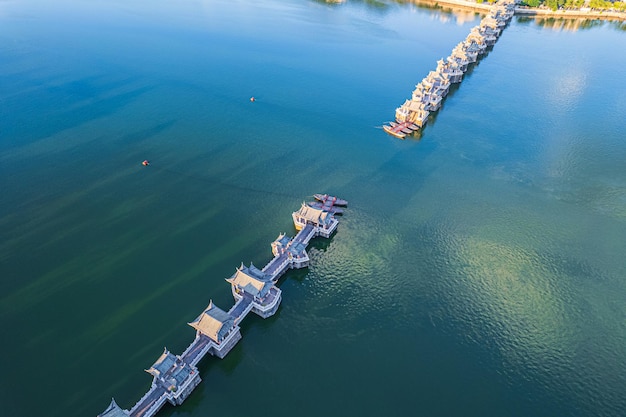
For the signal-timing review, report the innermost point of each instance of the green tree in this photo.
(598, 4)
(552, 4)
(532, 3)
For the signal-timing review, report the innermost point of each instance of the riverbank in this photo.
(570, 14)
(527, 11)
(456, 4)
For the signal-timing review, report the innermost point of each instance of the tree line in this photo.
(619, 6)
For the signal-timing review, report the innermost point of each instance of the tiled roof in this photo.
(314, 215)
(214, 322)
(252, 280)
(113, 410)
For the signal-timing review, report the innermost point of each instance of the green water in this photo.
(479, 269)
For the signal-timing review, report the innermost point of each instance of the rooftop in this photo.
(214, 322)
(113, 410)
(170, 370)
(252, 280)
(314, 215)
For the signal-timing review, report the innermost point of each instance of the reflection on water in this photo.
(445, 13)
(571, 25)
(532, 307)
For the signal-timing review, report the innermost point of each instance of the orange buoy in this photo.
(145, 163)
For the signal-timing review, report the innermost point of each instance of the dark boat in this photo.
(324, 198)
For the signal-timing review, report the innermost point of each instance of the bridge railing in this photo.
(275, 264)
(191, 346)
(279, 269)
(306, 234)
(136, 409)
(247, 302)
(155, 407)
(202, 344)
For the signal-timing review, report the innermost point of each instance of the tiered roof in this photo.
(113, 410)
(413, 106)
(170, 369)
(283, 240)
(214, 322)
(475, 36)
(314, 215)
(252, 280)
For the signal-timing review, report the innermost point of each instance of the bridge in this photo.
(255, 290)
(429, 94)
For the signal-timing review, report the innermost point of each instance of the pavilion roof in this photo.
(170, 368)
(283, 239)
(214, 322)
(113, 410)
(415, 106)
(314, 215)
(163, 364)
(252, 280)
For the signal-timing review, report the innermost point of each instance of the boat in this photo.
(145, 163)
(324, 198)
(393, 132)
(400, 130)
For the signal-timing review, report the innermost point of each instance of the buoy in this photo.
(252, 99)
(145, 163)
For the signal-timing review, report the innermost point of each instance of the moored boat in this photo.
(393, 132)
(323, 198)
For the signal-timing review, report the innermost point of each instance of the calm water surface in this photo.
(479, 270)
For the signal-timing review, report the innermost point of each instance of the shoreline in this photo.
(570, 14)
(527, 11)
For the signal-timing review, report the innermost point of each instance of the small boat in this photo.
(252, 99)
(325, 198)
(393, 132)
(145, 163)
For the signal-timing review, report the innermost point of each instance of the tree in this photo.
(532, 3)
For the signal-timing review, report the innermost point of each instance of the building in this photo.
(412, 112)
(470, 49)
(323, 221)
(450, 70)
(429, 98)
(220, 327)
(175, 376)
(436, 83)
(254, 283)
(113, 410)
(295, 251)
